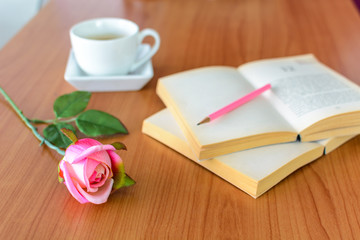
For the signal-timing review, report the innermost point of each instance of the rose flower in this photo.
(91, 171)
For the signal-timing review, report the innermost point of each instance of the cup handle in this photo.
(144, 33)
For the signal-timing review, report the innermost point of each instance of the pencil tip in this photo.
(205, 120)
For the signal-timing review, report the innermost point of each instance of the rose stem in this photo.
(28, 124)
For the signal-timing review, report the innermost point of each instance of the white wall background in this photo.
(14, 14)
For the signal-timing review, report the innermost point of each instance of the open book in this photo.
(255, 170)
(308, 101)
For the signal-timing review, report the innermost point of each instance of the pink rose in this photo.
(91, 170)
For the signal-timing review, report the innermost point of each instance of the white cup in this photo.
(108, 46)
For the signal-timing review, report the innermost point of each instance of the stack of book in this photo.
(309, 111)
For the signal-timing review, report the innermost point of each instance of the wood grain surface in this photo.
(174, 198)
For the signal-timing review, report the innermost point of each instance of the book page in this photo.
(198, 93)
(303, 89)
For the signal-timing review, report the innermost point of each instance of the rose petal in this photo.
(77, 171)
(70, 185)
(116, 161)
(81, 145)
(101, 156)
(106, 176)
(90, 151)
(90, 167)
(100, 196)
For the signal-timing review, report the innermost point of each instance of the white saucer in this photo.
(131, 82)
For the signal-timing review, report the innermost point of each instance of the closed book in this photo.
(254, 171)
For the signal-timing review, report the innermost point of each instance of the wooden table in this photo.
(174, 198)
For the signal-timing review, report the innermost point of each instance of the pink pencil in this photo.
(235, 104)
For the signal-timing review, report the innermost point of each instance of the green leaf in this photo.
(128, 181)
(121, 179)
(125, 181)
(119, 146)
(118, 176)
(96, 123)
(53, 134)
(70, 105)
(69, 134)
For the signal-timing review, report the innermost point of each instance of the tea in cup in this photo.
(108, 46)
